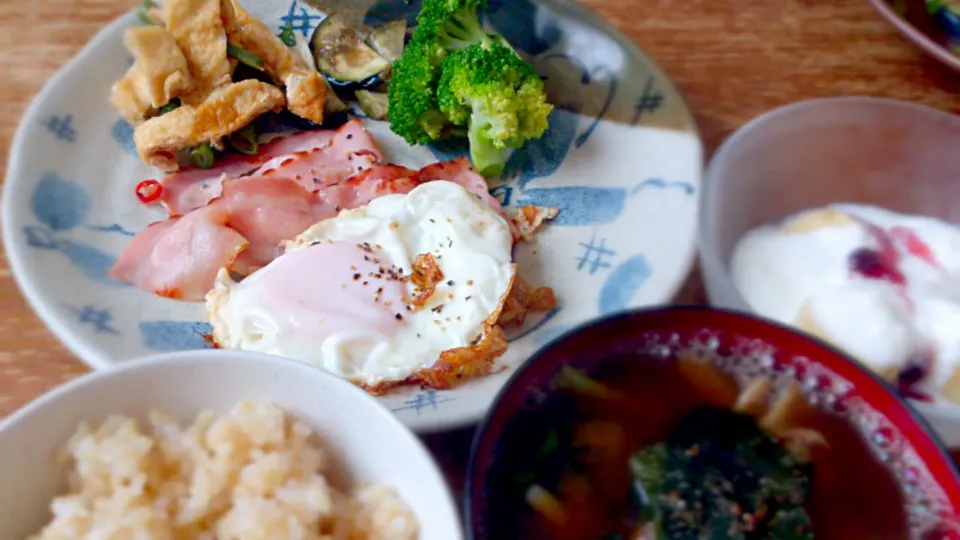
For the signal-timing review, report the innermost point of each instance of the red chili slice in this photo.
(149, 191)
(365, 152)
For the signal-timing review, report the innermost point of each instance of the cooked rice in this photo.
(250, 474)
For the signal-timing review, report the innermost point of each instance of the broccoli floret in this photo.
(498, 96)
(412, 96)
(454, 79)
(453, 24)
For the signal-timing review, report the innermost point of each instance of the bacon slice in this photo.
(242, 230)
(328, 156)
(192, 188)
(266, 211)
(524, 224)
(351, 151)
(461, 172)
(179, 257)
(362, 188)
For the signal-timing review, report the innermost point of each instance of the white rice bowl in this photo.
(217, 445)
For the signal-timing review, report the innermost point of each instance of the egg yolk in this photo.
(334, 287)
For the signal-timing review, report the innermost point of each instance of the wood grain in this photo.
(731, 59)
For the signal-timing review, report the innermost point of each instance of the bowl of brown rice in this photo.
(217, 445)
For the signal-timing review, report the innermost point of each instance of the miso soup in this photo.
(678, 449)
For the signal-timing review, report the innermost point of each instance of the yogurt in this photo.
(885, 287)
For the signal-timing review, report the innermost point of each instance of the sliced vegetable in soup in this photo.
(678, 450)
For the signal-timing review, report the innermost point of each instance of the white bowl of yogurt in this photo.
(841, 218)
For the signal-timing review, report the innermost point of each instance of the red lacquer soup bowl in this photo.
(568, 440)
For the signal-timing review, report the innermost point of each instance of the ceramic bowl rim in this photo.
(180, 359)
(708, 253)
(914, 34)
(487, 428)
(717, 276)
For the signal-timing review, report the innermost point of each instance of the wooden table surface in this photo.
(732, 60)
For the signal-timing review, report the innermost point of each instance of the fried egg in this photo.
(353, 294)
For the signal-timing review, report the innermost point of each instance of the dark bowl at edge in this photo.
(580, 348)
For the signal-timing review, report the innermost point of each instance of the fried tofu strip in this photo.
(224, 111)
(305, 88)
(159, 73)
(198, 29)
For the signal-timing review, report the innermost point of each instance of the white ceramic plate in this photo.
(622, 160)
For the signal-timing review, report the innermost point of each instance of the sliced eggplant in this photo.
(388, 40)
(374, 104)
(345, 89)
(331, 102)
(343, 57)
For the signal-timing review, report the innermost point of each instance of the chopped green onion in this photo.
(143, 12)
(174, 104)
(577, 381)
(245, 141)
(287, 36)
(525, 478)
(244, 56)
(202, 156)
(550, 443)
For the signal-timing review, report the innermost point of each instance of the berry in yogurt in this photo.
(883, 286)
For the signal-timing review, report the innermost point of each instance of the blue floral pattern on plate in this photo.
(621, 161)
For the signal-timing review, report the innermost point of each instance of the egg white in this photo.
(470, 242)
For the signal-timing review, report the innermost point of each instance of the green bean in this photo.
(245, 141)
(144, 14)
(244, 56)
(174, 103)
(578, 382)
(202, 156)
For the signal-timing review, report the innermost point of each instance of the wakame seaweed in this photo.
(720, 476)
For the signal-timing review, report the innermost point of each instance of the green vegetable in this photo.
(244, 57)
(374, 104)
(245, 141)
(412, 96)
(525, 478)
(453, 24)
(174, 104)
(143, 12)
(501, 99)
(550, 443)
(287, 36)
(202, 156)
(577, 381)
(388, 40)
(455, 78)
(342, 55)
(331, 102)
(647, 467)
(720, 476)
